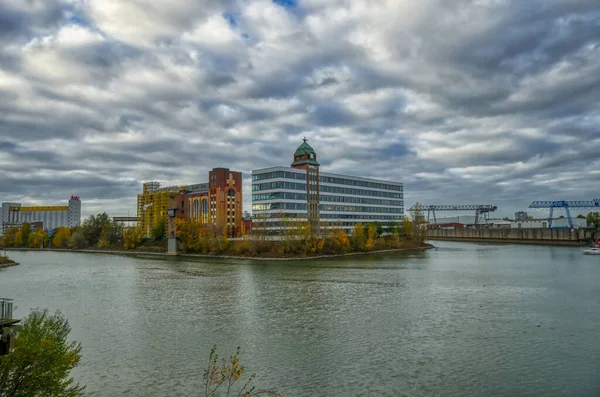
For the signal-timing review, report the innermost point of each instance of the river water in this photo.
(459, 320)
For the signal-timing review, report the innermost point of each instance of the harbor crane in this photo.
(567, 205)
(481, 210)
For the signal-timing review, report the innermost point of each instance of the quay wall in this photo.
(527, 236)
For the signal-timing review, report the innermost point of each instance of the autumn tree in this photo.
(337, 241)
(25, 231)
(41, 360)
(358, 238)
(9, 236)
(61, 237)
(38, 238)
(371, 237)
(132, 237)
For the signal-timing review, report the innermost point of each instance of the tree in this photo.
(416, 213)
(593, 218)
(92, 228)
(506, 218)
(581, 216)
(110, 235)
(25, 232)
(77, 240)
(158, 231)
(378, 229)
(61, 237)
(38, 239)
(132, 237)
(41, 360)
(18, 239)
(226, 375)
(358, 237)
(371, 237)
(9, 236)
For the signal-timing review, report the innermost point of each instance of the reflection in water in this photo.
(459, 320)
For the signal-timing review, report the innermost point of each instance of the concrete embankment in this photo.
(515, 236)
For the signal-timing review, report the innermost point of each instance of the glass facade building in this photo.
(343, 200)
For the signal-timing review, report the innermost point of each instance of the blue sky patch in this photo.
(230, 19)
(286, 3)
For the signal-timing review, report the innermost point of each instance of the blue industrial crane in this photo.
(595, 203)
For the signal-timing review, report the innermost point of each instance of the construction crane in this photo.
(595, 203)
(481, 210)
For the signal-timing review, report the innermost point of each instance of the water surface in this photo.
(460, 320)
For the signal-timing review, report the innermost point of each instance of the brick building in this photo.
(218, 202)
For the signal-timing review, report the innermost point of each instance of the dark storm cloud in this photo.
(466, 101)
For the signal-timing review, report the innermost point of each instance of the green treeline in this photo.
(96, 231)
(294, 238)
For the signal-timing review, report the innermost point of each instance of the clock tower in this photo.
(305, 158)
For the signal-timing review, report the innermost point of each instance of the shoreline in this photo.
(426, 246)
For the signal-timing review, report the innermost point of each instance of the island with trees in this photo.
(295, 239)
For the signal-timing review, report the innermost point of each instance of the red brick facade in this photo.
(221, 205)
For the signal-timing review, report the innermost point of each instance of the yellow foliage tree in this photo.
(371, 238)
(61, 237)
(18, 239)
(358, 237)
(38, 239)
(132, 238)
(9, 236)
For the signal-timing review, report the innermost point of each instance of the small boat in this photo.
(592, 251)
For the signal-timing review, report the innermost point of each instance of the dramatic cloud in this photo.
(466, 101)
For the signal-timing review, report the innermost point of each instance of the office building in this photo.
(49, 217)
(303, 192)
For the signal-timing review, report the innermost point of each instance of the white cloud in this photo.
(461, 101)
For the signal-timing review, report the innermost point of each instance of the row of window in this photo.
(324, 179)
(325, 198)
(325, 207)
(324, 189)
(387, 218)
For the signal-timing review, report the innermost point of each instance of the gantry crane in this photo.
(481, 210)
(593, 204)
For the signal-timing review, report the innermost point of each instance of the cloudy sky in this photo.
(465, 101)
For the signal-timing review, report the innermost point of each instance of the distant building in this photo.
(521, 216)
(303, 192)
(49, 217)
(217, 202)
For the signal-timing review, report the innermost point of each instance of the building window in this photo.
(196, 209)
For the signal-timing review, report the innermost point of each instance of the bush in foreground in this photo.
(224, 378)
(42, 359)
